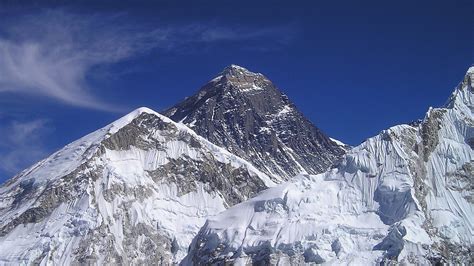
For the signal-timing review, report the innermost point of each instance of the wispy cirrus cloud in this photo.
(51, 53)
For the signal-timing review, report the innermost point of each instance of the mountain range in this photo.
(235, 174)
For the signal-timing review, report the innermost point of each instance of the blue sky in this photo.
(352, 67)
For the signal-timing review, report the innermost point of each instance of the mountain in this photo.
(246, 113)
(134, 192)
(404, 195)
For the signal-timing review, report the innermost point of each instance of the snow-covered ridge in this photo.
(404, 195)
(74, 154)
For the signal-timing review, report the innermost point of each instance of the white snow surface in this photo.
(54, 239)
(383, 201)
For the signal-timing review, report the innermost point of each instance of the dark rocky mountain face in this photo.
(247, 114)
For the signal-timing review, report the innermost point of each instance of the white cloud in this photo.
(50, 55)
(21, 144)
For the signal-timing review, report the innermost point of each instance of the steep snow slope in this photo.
(135, 191)
(247, 114)
(404, 195)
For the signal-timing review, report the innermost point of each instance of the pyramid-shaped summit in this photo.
(247, 114)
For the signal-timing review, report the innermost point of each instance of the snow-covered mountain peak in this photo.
(246, 113)
(138, 190)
